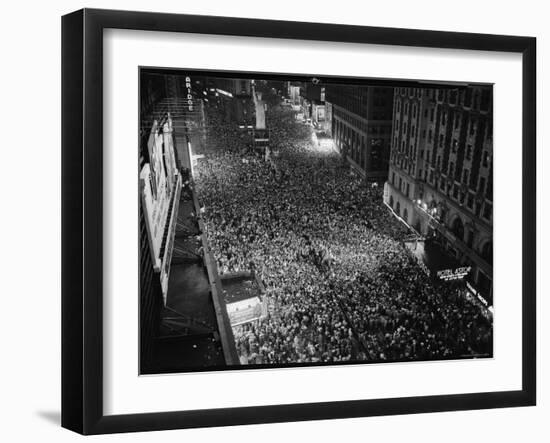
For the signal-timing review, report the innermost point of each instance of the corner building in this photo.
(441, 173)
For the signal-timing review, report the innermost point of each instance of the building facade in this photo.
(361, 122)
(441, 173)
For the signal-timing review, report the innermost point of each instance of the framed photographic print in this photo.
(346, 210)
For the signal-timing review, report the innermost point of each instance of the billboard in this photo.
(160, 185)
(155, 202)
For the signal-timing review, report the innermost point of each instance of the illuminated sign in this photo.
(454, 274)
(160, 185)
(386, 192)
(320, 113)
(477, 294)
(189, 93)
(155, 194)
(221, 91)
(169, 248)
(246, 311)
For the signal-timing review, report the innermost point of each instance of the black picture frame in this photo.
(82, 219)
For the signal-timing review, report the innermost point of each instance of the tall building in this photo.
(361, 126)
(441, 173)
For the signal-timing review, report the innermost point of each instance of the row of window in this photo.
(406, 163)
(470, 120)
(362, 124)
(473, 98)
(455, 191)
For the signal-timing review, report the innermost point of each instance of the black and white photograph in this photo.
(275, 221)
(296, 221)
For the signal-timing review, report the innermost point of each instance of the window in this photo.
(485, 100)
(486, 253)
(469, 152)
(485, 159)
(407, 194)
(452, 97)
(470, 241)
(455, 145)
(468, 98)
(393, 178)
(473, 124)
(478, 209)
(482, 185)
(476, 100)
(451, 168)
(487, 210)
(465, 176)
(432, 115)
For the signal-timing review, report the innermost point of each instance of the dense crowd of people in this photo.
(340, 284)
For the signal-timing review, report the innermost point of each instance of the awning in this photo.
(437, 261)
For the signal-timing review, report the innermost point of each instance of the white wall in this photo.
(30, 219)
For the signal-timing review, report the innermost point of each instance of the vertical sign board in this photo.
(152, 213)
(320, 113)
(167, 257)
(160, 186)
(155, 194)
(189, 93)
(386, 198)
(169, 156)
